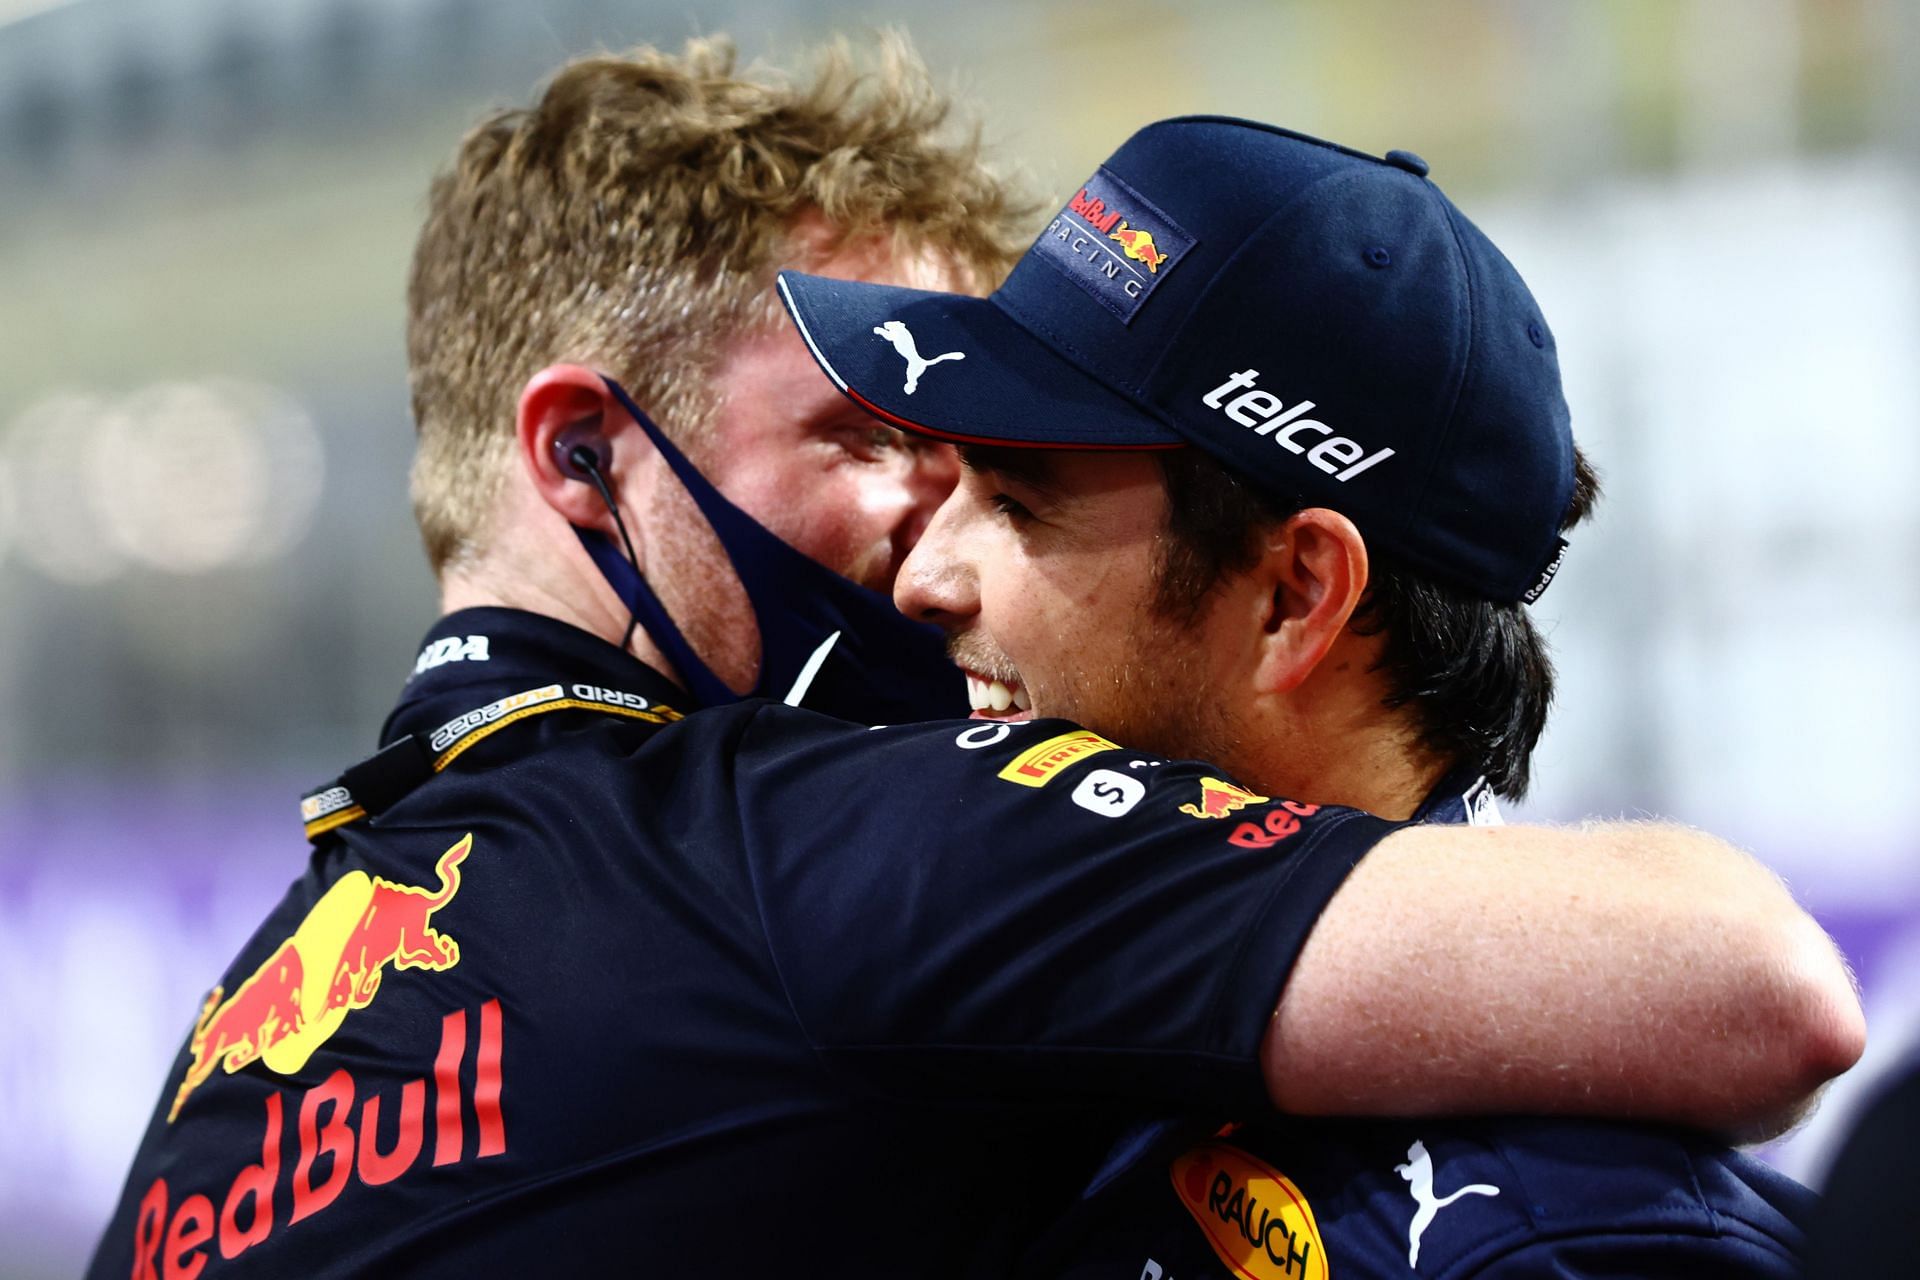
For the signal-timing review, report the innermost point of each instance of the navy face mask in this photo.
(826, 642)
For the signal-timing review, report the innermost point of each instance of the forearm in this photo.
(1621, 969)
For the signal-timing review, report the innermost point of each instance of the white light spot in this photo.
(7, 501)
(182, 477)
(47, 452)
(209, 475)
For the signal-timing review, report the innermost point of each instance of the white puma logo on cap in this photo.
(896, 332)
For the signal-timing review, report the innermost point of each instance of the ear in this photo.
(556, 398)
(1315, 564)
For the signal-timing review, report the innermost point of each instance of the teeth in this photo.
(995, 695)
(976, 692)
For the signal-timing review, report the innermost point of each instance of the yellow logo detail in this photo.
(1036, 766)
(1138, 244)
(331, 966)
(1254, 1217)
(1218, 799)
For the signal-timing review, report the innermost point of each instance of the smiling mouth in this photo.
(994, 699)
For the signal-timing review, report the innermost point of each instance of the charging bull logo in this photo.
(1115, 243)
(1138, 245)
(1218, 799)
(332, 965)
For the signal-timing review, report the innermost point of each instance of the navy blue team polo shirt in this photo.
(1461, 1199)
(746, 991)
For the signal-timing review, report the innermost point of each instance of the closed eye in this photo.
(871, 442)
(1011, 508)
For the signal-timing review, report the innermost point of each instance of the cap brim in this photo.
(959, 368)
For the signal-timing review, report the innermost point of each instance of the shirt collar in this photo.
(472, 656)
(1461, 796)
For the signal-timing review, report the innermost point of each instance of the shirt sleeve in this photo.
(1643, 1255)
(1024, 910)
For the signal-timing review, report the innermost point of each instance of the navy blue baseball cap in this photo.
(1324, 322)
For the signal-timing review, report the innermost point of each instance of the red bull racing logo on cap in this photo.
(332, 965)
(1114, 243)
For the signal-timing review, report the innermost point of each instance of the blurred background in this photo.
(212, 585)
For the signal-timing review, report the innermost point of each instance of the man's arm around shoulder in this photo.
(1624, 969)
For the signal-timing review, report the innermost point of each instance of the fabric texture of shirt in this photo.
(745, 991)
(1481, 1199)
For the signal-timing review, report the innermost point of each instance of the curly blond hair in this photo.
(633, 219)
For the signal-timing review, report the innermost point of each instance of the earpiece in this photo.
(582, 452)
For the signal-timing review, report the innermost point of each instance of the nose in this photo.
(938, 583)
(934, 472)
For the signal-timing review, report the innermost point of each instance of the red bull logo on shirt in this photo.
(344, 1131)
(1253, 1215)
(1279, 823)
(332, 965)
(1218, 799)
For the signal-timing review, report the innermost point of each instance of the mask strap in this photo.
(704, 494)
(637, 594)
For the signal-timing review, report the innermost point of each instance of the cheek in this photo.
(841, 520)
(1076, 627)
(1046, 626)
(1099, 592)
(873, 499)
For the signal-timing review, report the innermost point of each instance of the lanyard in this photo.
(377, 783)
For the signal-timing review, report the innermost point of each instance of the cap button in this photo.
(1412, 163)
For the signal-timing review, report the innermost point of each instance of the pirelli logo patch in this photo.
(1037, 765)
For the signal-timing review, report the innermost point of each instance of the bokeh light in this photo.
(182, 477)
(48, 450)
(193, 477)
(7, 501)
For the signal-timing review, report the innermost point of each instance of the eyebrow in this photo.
(1030, 468)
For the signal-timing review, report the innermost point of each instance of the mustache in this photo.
(979, 655)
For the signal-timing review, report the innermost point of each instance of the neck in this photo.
(562, 592)
(532, 560)
(1382, 773)
(1332, 740)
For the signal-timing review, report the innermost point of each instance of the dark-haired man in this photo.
(1265, 453)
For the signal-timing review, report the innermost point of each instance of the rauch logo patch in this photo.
(1254, 1217)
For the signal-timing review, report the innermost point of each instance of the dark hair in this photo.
(1475, 674)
